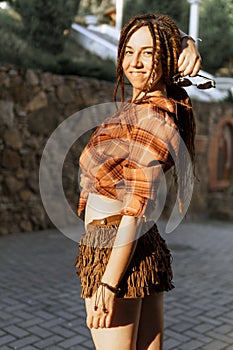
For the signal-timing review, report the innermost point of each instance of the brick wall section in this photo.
(32, 105)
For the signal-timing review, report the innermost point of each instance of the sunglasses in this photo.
(184, 82)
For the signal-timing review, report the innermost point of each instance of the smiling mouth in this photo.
(137, 74)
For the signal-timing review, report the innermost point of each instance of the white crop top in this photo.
(99, 207)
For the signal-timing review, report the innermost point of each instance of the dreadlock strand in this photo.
(156, 55)
(166, 48)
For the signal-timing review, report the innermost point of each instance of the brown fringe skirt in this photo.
(149, 270)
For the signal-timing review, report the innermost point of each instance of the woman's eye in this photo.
(148, 53)
(128, 52)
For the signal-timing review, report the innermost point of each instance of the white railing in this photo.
(93, 42)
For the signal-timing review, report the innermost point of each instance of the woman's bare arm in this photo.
(123, 249)
(124, 246)
(189, 62)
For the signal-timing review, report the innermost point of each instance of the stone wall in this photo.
(32, 105)
(213, 194)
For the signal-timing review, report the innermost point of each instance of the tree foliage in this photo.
(216, 23)
(177, 10)
(95, 7)
(45, 21)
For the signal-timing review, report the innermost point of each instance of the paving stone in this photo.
(21, 343)
(16, 331)
(178, 336)
(30, 323)
(51, 323)
(84, 331)
(171, 344)
(218, 336)
(200, 336)
(88, 344)
(210, 320)
(223, 329)
(45, 315)
(44, 343)
(215, 345)
(87, 347)
(10, 321)
(229, 314)
(4, 315)
(64, 332)
(192, 345)
(226, 320)
(66, 315)
(67, 344)
(41, 332)
(24, 315)
(45, 311)
(6, 339)
(182, 326)
(203, 327)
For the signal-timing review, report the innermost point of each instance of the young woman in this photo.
(123, 262)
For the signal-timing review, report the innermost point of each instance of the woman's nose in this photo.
(136, 60)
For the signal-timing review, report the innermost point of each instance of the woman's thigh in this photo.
(150, 330)
(123, 331)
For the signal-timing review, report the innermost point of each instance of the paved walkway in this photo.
(40, 306)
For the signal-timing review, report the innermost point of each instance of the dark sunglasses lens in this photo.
(184, 82)
(207, 85)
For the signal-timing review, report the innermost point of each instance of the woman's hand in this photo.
(100, 312)
(189, 62)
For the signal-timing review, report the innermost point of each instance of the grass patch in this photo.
(75, 60)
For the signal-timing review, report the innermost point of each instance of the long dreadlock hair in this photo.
(166, 48)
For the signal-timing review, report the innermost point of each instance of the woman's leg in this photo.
(150, 331)
(123, 332)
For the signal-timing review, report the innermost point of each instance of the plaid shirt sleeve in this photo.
(127, 156)
(149, 156)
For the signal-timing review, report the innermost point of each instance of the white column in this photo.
(194, 18)
(119, 14)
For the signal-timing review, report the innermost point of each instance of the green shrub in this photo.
(178, 10)
(14, 50)
(45, 21)
(74, 59)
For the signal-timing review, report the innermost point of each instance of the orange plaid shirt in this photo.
(127, 153)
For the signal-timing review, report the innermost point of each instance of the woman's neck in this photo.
(158, 91)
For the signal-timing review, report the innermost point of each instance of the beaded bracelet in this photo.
(114, 290)
(102, 295)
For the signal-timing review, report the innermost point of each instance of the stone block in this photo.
(20, 93)
(7, 113)
(43, 121)
(38, 102)
(12, 138)
(65, 94)
(201, 143)
(32, 78)
(25, 195)
(13, 185)
(11, 159)
(26, 226)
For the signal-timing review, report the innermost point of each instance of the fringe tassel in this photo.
(149, 270)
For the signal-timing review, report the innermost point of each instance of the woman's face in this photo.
(138, 59)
